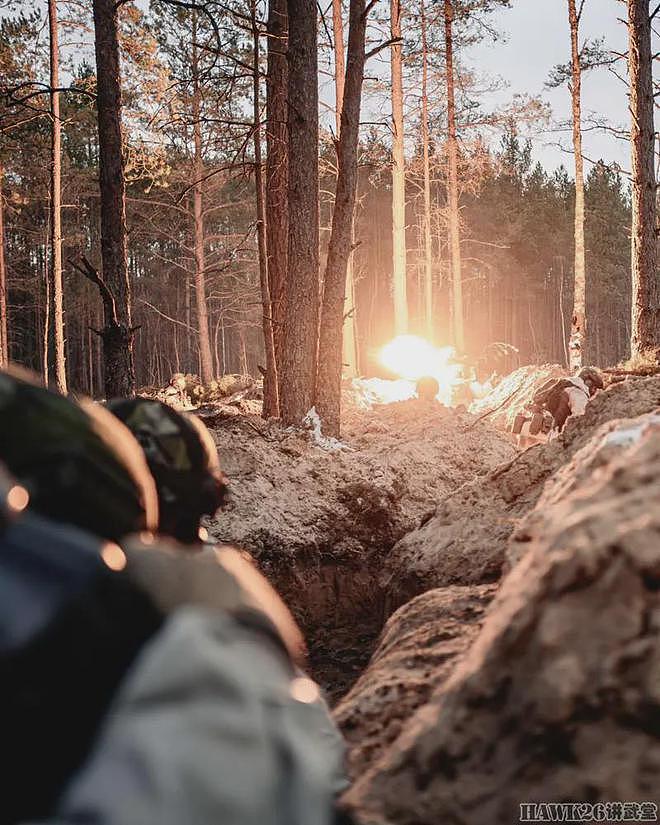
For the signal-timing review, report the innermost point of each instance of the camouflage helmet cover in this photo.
(183, 460)
(79, 464)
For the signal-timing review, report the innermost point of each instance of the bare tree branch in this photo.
(92, 274)
(166, 317)
(394, 41)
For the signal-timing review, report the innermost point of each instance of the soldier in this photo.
(138, 684)
(553, 403)
(427, 388)
(568, 396)
(183, 460)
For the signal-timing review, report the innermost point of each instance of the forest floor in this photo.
(425, 556)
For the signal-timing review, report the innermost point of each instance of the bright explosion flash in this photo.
(412, 358)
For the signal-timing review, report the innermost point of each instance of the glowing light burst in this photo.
(411, 358)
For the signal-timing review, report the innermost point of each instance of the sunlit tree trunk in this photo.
(644, 333)
(579, 320)
(428, 248)
(277, 174)
(271, 401)
(349, 342)
(398, 176)
(119, 369)
(56, 201)
(340, 61)
(328, 386)
(452, 186)
(301, 323)
(205, 355)
(4, 339)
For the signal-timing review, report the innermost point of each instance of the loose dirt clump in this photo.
(320, 523)
(559, 697)
(606, 445)
(465, 540)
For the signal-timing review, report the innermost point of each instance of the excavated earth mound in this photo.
(417, 651)
(320, 522)
(607, 444)
(558, 700)
(187, 392)
(465, 541)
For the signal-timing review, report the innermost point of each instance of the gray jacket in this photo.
(206, 731)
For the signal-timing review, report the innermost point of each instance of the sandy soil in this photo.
(321, 523)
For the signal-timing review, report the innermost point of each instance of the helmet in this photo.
(427, 388)
(79, 465)
(183, 460)
(592, 378)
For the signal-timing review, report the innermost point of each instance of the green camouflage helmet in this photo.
(183, 460)
(79, 465)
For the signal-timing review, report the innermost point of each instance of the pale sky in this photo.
(538, 38)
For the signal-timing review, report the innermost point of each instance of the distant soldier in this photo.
(553, 403)
(574, 397)
(427, 388)
(183, 460)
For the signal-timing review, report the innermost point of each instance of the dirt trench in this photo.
(341, 612)
(320, 523)
(523, 661)
(416, 497)
(554, 693)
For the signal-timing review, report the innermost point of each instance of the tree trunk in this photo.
(562, 316)
(428, 248)
(277, 173)
(4, 340)
(644, 333)
(577, 343)
(45, 349)
(398, 177)
(117, 334)
(56, 201)
(349, 340)
(243, 359)
(271, 404)
(301, 321)
(328, 386)
(452, 186)
(206, 357)
(340, 60)
(188, 319)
